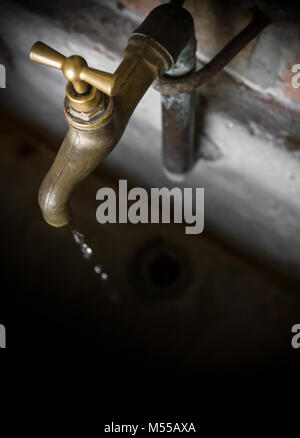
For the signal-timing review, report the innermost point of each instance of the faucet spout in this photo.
(79, 155)
(97, 120)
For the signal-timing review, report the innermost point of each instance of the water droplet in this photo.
(78, 237)
(229, 125)
(98, 269)
(86, 251)
(104, 276)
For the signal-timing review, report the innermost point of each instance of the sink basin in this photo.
(146, 297)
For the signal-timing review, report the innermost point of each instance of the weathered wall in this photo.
(248, 116)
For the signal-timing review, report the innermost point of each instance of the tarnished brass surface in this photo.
(74, 68)
(96, 121)
(84, 102)
(90, 120)
(79, 154)
(89, 141)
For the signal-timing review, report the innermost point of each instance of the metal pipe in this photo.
(178, 117)
(178, 95)
(170, 86)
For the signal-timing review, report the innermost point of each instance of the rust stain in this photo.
(292, 144)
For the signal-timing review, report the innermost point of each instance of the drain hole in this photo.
(164, 271)
(159, 270)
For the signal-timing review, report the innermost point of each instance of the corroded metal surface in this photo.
(178, 133)
(178, 117)
(205, 74)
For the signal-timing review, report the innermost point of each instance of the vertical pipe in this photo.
(178, 117)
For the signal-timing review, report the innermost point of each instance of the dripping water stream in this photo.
(89, 255)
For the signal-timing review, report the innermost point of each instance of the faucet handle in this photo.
(75, 69)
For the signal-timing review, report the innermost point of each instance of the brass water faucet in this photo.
(98, 105)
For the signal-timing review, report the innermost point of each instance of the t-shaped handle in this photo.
(75, 69)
